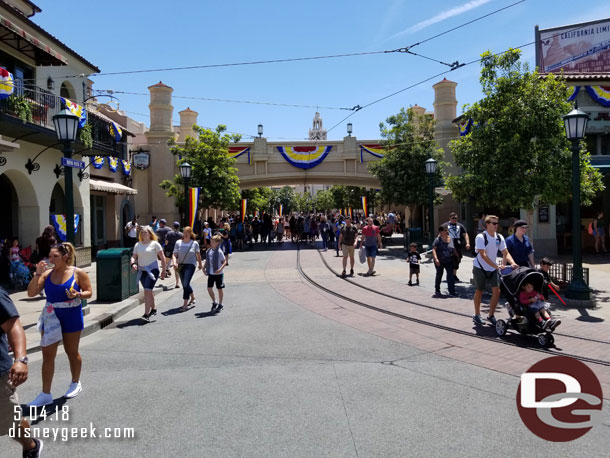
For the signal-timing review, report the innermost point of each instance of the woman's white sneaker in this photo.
(75, 388)
(43, 399)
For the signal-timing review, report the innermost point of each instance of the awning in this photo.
(111, 187)
(28, 44)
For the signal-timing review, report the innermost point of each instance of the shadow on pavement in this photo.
(52, 411)
(134, 322)
(584, 316)
(205, 314)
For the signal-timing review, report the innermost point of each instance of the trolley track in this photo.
(437, 325)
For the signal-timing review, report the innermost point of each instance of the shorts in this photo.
(483, 278)
(218, 279)
(371, 251)
(167, 253)
(8, 401)
(347, 250)
(71, 318)
(599, 232)
(146, 281)
(536, 306)
(414, 268)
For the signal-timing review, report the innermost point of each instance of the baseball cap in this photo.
(162, 220)
(520, 223)
(176, 224)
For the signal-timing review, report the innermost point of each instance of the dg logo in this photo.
(559, 399)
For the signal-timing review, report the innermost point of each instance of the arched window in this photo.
(67, 91)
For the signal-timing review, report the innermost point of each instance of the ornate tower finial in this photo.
(318, 132)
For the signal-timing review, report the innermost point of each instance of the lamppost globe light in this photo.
(185, 170)
(576, 124)
(260, 130)
(431, 166)
(349, 129)
(66, 126)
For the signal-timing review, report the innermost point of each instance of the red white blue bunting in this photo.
(7, 85)
(304, 157)
(601, 94)
(237, 151)
(375, 150)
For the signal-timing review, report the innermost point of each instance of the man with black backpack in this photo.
(485, 269)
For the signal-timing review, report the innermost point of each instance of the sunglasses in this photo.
(495, 224)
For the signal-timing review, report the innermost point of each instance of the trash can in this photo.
(115, 279)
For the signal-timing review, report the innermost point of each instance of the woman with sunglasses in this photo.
(144, 260)
(62, 318)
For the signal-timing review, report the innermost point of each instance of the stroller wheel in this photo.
(501, 327)
(550, 339)
(542, 340)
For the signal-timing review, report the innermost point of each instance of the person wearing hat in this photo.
(162, 239)
(519, 246)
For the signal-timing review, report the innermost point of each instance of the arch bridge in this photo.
(262, 163)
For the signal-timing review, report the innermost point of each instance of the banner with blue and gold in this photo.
(237, 151)
(59, 222)
(98, 162)
(113, 163)
(7, 85)
(375, 150)
(304, 157)
(601, 94)
(126, 167)
(115, 131)
(76, 110)
(575, 91)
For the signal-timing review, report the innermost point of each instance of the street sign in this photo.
(67, 162)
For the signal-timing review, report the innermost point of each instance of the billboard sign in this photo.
(576, 48)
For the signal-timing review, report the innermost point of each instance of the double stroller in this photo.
(522, 319)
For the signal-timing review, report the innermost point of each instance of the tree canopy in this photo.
(212, 169)
(517, 153)
(409, 143)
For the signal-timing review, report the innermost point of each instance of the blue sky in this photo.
(134, 35)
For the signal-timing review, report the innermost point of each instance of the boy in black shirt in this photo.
(545, 266)
(413, 258)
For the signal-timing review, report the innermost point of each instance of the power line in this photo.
(110, 91)
(299, 59)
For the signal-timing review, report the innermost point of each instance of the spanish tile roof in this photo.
(159, 84)
(581, 76)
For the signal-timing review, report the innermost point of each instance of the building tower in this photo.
(153, 200)
(318, 132)
(188, 117)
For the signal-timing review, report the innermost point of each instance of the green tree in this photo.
(324, 201)
(304, 202)
(409, 143)
(212, 169)
(258, 199)
(517, 152)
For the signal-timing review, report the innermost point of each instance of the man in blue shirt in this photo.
(519, 245)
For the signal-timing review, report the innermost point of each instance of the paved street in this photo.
(290, 371)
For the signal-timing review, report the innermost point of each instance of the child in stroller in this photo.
(534, 301)
(522, 317)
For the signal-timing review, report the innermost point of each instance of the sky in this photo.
(119, 36)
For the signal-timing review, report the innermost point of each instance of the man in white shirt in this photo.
(131, 232)
(485, 268)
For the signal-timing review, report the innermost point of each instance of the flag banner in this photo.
(126, 168)
(193, 202)
(237, 151)
(7, 85)
(575, 91)
(304, 157)
(59, 222)
(373, 149)
(98, 162)
(465, 127)
(365, 206)
(601, 94)
(244, 207)
(113, 163)
(351, 215)
(281, 208)
(76, 110)
(115, 131)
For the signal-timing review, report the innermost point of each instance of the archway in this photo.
(67, 91)
(127, 213)
(9, 208)
(57, 206)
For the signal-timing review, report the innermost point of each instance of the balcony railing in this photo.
(37, 106)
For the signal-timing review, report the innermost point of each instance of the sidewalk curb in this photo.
(105, 319)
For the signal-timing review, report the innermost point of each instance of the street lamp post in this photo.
(260, 130)
(66, 127)
(431, 166)
(349, 129)
(185, 172)
(576, 125)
